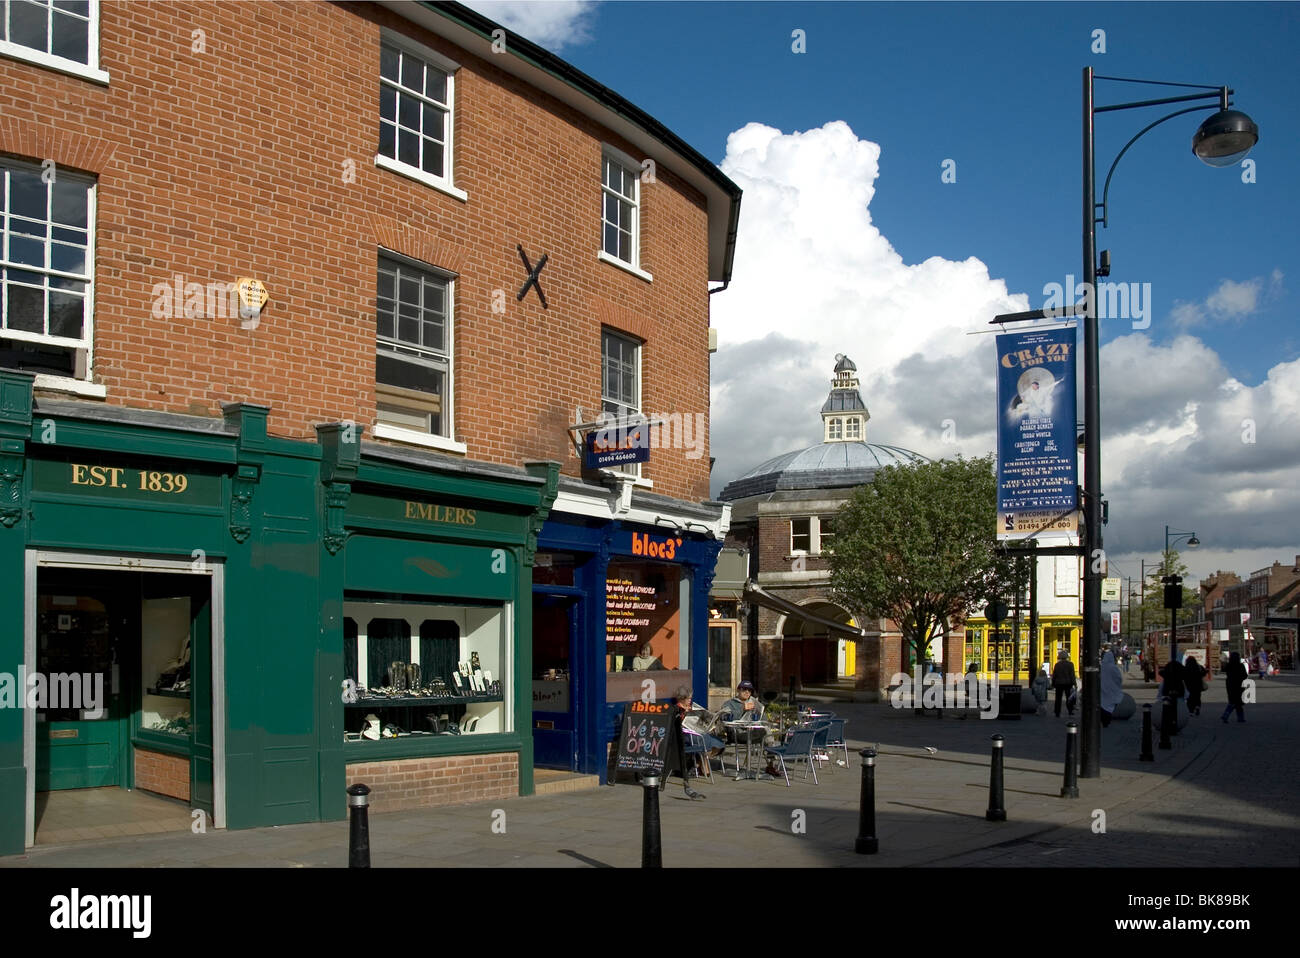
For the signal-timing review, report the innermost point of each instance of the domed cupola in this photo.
(842, 458)
(844, 414)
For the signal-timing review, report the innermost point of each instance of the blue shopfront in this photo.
(616, 604)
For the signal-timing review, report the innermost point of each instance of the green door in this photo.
(77, 693)
(201, 760)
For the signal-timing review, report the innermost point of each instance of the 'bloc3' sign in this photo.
(643, 742)
(618, 445)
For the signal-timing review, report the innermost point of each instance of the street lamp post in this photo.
(1221, 140)
(1174, 587)
(1192, 542)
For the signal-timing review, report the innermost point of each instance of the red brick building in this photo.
(283, 227)
(213, 158)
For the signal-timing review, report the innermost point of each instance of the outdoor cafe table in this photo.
(747, 730)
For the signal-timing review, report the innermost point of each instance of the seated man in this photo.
(744, 707)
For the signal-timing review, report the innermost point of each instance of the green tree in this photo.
(917, 545)
(1150, 612)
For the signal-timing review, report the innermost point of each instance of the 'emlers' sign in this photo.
(644, 545)
(618, 445)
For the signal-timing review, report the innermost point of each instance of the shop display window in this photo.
(416, 670)
(643, 620)
(165, 666)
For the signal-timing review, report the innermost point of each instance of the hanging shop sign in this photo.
(618, 445)
(1037, 459)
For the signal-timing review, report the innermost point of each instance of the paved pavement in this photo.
(1222, 796)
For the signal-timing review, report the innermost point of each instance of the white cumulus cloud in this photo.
(553, 24)
(1183, 442)
(1231, 301)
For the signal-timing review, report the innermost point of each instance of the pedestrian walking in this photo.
(1235, 675)
(1193, 680)
(1112, 687)
(1148, 669)
(1171, 684)
(1064, 681)
(1261, 661)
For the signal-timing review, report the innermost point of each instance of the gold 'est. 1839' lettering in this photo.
(113, 477)
(435, 513)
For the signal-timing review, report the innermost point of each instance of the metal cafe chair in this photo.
(797, 746)
(821, 734)
(835, 739)
(695, 747)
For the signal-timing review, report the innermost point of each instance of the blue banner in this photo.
(1037, 457)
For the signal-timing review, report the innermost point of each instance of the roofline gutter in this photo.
(548, 62)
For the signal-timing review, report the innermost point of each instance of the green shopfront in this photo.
(198, 609)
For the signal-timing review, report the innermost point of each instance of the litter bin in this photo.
(1009, 702)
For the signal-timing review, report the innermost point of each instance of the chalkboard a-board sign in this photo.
(644, 742)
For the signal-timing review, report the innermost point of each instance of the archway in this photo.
(811, 650)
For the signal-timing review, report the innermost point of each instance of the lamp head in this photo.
(1193, 542)
(1225, 138)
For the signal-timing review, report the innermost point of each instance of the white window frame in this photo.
(853, 427)
(633, 412)
(814, 536)
(86, 71)
(83, 349)
(632, 167)
(835, 429)
(817, 534)
(811, 533)
(383, 430)
(446, 182)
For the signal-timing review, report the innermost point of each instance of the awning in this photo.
(759, 596)
(730, 574)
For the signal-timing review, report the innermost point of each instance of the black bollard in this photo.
(651, 847)
(1168, 718)
(867, 843)
(1071, 787)
(359, 828)
(1147, 755)
(996, 812)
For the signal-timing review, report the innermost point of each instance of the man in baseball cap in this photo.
(745, 706)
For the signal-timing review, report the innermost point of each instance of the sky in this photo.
(911, 170)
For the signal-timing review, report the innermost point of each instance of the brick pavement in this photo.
(1219, 796)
